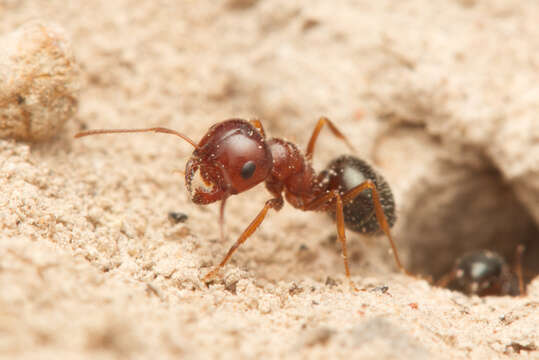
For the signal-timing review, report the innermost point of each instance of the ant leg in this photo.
(518, 268)
(320, 203)
(257, 124)
(380, 216)
(342, 235)
(277, 204)
(446, 279)
(321, 122)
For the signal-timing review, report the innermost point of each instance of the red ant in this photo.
(235, 155)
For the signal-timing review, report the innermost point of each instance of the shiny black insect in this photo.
(485, 273)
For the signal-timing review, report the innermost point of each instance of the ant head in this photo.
(232, 157)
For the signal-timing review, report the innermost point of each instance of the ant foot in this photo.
(211, 275)
(353, 286)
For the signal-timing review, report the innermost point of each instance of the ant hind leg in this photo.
(380, 216)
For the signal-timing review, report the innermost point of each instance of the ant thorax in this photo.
(290, 173)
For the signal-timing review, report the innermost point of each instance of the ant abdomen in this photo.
(346, 172)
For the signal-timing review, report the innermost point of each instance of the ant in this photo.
(484, 273)
(234, 155)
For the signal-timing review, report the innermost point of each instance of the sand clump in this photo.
(39, 82)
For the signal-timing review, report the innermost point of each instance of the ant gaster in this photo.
(234, 155)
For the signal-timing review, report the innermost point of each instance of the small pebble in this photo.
(177, 217)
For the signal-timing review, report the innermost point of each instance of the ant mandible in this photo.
(235, 155)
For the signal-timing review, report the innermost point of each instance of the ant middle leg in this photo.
(320, 203)
(321, 122)
(277, 204)
(323, 201)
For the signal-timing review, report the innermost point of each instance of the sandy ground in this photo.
(92, 268)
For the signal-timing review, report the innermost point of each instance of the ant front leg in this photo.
(321, 122)
(277, 204)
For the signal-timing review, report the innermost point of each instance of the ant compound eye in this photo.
(248, 169)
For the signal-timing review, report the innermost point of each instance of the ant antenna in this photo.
(155, 129)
